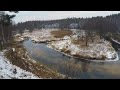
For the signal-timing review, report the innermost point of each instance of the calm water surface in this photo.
(72, 67)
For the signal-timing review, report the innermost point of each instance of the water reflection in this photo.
(75, 68)
(84, 64)
(85, 67)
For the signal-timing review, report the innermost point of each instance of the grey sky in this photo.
(23, 16)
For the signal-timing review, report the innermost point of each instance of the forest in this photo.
(6, 27)
(108, 23)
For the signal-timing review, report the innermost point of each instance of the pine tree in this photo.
(5, 26)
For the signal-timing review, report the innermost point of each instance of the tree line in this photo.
(108, 23)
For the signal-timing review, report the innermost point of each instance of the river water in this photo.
(71, 67)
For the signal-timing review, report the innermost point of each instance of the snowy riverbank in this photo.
(115, 41)
(101, 51)
(10, 71)
(94, 60)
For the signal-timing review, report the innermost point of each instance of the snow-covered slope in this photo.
(9, 71)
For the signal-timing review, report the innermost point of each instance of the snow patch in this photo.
(13, 49)
(116, 41)
(9, 71)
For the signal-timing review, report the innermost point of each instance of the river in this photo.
(71, 67)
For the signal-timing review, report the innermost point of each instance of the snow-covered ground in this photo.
(98, 50)
(42, 35)
(9, 71)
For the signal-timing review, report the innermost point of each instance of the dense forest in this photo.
(108, 23)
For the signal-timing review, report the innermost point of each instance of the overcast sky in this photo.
(23, 16)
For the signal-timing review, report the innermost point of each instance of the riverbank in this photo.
(84, 59)
(10, 71)
(68, 43)
(115, 41)
(18, 56)
(99, 51)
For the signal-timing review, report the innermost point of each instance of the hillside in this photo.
(70, 23)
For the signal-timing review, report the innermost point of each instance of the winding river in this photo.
(74, 68)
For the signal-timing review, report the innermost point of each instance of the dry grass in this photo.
(21, 60)
(88, 57)
(61, 33)
(67, 51)
(80, 42)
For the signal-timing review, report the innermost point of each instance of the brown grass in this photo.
(79, 42)
(82, 41)
(88, 57)
(21, 60)
(61, 33)
(67, 51)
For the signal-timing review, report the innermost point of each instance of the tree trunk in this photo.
(92, 39)
(86, 43)
(86, 38)
(3, 37)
